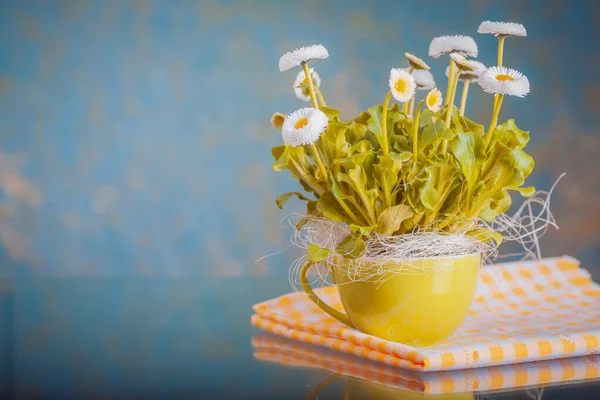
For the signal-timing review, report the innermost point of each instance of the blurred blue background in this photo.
(135, 142)
(135, 135)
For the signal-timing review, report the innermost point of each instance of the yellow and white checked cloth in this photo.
(503, 377)
(525, 311)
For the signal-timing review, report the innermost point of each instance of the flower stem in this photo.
(494, 121)
(341, 202)
(500, 59)
(463, 99)
(311, 88)
(500, 48)
(416, 130)
(450, 108)
(320, 96)
(348, 211)
(319, 162)
(405, 105)
(385, 142)
(411, 106)
(386, 193)
(365, 199)
(303, 176)
(450, 80)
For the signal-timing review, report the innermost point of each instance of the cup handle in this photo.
(324, 383)
(343, 318)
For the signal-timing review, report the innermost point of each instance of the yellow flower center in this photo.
(400, 85)
(431, 100)
(504, 77)
(301, 123)
(305, 91)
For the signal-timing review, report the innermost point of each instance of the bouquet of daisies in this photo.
(407, 166)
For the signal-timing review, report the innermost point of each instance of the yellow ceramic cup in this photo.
(420, 307)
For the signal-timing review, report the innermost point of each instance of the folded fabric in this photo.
(505, 377)
(524, 311)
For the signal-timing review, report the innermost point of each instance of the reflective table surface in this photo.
(187, 338)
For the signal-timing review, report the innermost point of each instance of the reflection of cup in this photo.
(420, 306)
(361, 389)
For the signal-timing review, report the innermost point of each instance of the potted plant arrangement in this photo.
(400, 200)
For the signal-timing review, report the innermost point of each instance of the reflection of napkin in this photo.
(297, 354)
(526, 311)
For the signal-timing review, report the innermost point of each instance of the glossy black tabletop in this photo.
(171, 338)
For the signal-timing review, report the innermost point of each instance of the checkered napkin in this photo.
(503, 377)
(525, 311)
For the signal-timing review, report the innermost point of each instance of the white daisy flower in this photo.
(453, 44)
(416, 62)
(301, 85)
(302, 55)
(423, 79)
(462, 62)
(304, 126)
(277, 120)
(471, 75)
(502, 28)
(434, 100)
(505, 81)
(402, 84)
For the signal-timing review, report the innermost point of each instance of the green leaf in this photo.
(375, 121)
(449, 134)
(328, 206)
(340, 194)
(357, 131)
(278, 154)
(426, 116)
(396, 115)
(331, 113)
(362, 230)
(351, 247)
(301, 223)
(360, 154)
(428, 194)
(400, 144)
(526, 191)
(277, 151)
(317, 254)
(311, 207)
(402, 157)
(362, 118)
(469, 150)
(283, 198)
(357, 180)
(335, 137)
(390, 220)
(521, 161)
(362, 147)
(431, 134)
(470, 126)
(306, 187)
(510, 135)
(336, 189)
(485, 235)
(386, 174)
